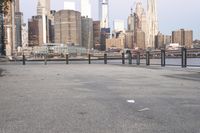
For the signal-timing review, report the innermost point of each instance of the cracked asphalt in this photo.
(80, 98)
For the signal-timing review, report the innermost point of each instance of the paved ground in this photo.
(93, 99)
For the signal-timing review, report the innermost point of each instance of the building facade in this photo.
(183, 37)
(96, 34)
(87, 32)
(140, 39)
(35, 31)
(152, 23)
(68, 27)
(116, 43)
(2, 47)
(104, 13)
(18, 29)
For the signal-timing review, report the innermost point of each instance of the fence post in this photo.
(24, 59)
(89, 58)
(147, 58)
(163, 57)
(105, 58)
(130, 58)
(67, 58)
(123, 58)
(138, 58)
(45, 59)
(184, 57)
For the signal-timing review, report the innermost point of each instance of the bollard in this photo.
(138, 58)
(24, 59)
(163, 57)
(147, 58)
(89, 58)
(130, 58)
(45, 60)
(67, 59)
(123, 58)
(105, 58)
(184, 57)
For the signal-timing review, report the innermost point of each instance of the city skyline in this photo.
(170, 17)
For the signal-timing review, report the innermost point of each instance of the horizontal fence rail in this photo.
(183, 57)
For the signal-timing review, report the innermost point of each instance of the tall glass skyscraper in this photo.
(152, 23)
(104, 13)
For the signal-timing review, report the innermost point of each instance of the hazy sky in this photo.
(172, 14)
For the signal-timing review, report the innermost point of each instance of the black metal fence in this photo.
(147, 58)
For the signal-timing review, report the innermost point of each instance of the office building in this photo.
(105, 34)
(35, 31)
(183, 37)
(87, 32)
(24, 36)
(104, 13)
(43, 7)
(9, 30)
(1, 35)
(86, 8)
(116, 43)
(68, 27)
(129, 39)
(140, 39)
(131, 22)
(152, 23)
(96, 34)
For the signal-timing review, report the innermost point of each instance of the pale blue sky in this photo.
(172, 14)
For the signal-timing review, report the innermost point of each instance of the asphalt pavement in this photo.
(96, 98)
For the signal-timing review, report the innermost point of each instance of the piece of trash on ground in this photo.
(145, 109)
(130, 101)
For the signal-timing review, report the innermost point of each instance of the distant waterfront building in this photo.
(104, 13)
(116, 42)
(52, 26)
(129, 39)
(35, 31)
(140, 39)
(69, 5)
(183, 37)
(131, 22)
(43, 7)
(87, 32)
(24, 36)
(161, 41)
(118, 25)
(1, 35)
(9, 31)
(86, 8)
(96, 34)
(152, 23)
(68, 27)
(105, 34)
(18, 29)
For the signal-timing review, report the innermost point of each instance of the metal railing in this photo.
(145, 58)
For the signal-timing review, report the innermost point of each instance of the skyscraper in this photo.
(17, 8)
(104, 13)
(43, 7)
(152, 23)
(86, 8)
